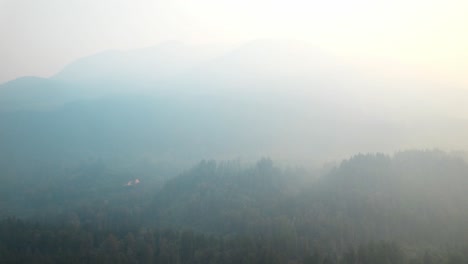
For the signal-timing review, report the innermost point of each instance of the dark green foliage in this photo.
(27, 242)
(219, 197)
(227, 212)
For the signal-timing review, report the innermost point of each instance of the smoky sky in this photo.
(40, 37)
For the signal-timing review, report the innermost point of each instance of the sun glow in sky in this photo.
(40, 36)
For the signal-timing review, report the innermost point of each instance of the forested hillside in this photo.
(410, 207)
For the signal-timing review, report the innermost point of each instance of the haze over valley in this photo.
(263, 132)
(174, 99)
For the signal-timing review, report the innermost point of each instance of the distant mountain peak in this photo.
(154, 63)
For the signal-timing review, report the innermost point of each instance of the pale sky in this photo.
(39, 37)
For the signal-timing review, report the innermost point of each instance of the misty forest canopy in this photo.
(157, 155)
(407, 208)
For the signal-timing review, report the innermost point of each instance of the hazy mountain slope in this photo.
(277, 69)
(139, 68)
(293, 70)
(33, 93)
(185, 129)
(190, 128)
(273, 70)
(284, 99)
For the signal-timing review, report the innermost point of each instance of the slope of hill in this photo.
(282, 99)
(33, 93)
(414, 197)
(220, 197)
(141, 68)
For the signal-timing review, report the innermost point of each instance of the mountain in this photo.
(96, 150)
(31, 93)
(137, 68)
(105, 74)
(270, 61)
(286, 99)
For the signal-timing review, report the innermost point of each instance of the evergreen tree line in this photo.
(407, 208)
(29, 242)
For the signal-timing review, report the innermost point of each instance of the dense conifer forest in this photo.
(410, 207)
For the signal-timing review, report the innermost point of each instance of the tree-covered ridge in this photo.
(218, 197)
(251, 213)
(411, 197)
